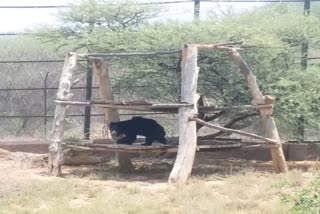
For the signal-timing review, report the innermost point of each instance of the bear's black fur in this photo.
(138, 126)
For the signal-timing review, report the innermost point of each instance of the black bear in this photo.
(149, 128)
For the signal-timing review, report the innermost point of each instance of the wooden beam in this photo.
(187, 129)
(162, 107)
(165, 108)
(175, 141)
(215, 47)
(111, 104)
(55, 147)
(220, 128)
(245, 107)
(139, 149)
(110, 55)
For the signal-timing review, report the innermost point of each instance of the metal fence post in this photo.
(45, 103)
(304, 66)
(87, 110)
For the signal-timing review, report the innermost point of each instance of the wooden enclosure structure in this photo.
(187, 110)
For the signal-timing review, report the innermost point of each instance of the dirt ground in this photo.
(151, 170)
(216, 186)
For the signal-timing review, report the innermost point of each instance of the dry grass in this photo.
(103, 190)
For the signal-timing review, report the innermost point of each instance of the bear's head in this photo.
(116, 131)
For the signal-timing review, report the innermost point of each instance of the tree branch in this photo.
(228, 125)
(266, 140)
(205, 117)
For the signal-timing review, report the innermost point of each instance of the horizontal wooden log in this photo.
(104, 141)
(127, 105)
(75, 82)
(168, 108)
(267, 146)
(139, 149)
(174, 141)
(134, 149)
(244, 107)
(207, 148)
(147, 54)
(110, 55)
(267, 140)
(216, 47)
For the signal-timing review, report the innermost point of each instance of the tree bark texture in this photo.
(55, 160)
(101, 72)
(187, 129)
(268, 123)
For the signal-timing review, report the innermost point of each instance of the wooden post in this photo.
(268, 124)
(101, 73)
(271, 131)
(187, 129)
(55, 160)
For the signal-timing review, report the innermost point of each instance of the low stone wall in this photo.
(292, 151)
(32, 146)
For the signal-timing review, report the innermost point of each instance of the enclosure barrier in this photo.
(187, 111)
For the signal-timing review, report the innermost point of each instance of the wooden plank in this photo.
(110, 55)
(244, 107)
(55, 147)
(125, 105)
(139, 149)
(175, 140)
(187, 129)
(207, 148)
(166, 107)
(218, 46)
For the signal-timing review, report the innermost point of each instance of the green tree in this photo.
(271, 39)
(83, 21)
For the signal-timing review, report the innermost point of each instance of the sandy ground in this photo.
(148, 170)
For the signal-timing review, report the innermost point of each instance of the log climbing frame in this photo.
(187, 111)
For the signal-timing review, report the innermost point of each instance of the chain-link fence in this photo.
(28, 90)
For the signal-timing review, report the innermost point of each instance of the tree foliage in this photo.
(271, 40)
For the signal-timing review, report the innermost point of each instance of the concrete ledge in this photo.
(292, 151)
(32, 146)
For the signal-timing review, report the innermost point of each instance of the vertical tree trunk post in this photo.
(55, 147)
(271, 131)
(187, 129)
(268, 124)
(101, 73)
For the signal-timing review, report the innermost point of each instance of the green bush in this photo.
(308, 200)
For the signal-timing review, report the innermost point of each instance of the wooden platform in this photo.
(140, 149)
(172, 141)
